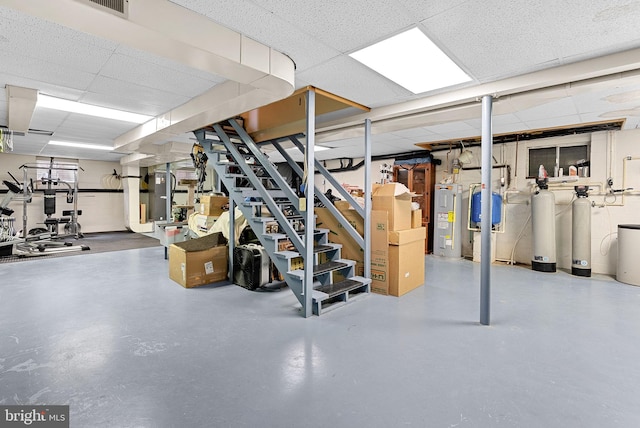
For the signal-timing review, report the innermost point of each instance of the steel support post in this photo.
(485, 211)
(309, 190)
(367, 198)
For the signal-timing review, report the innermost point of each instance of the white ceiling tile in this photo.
(553, 122)
(113, 93)
(369, 88)
(344, 26)
(414, 133)
(457, 128)
(35, 42)
(92, 128)
(508, 128)
(23, 67)
(612, 26)
(47, 119)
(141, 72)
(57, 29)
(562, 107)
(514, 37)
(421, 10)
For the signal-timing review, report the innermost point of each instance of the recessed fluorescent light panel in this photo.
(80, 145)
(413, 61)
(54, 103)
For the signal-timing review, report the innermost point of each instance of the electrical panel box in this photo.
(447, 237)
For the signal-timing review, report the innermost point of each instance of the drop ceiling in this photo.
(494, 42)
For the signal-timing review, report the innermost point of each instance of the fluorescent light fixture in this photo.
(317, 148)
(80, 145)
(413, 61)
(45, 101)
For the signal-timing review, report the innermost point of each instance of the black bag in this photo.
(251, 266)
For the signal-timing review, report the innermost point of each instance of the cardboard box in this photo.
(212, 205)
(199, 261)
(416, 218)
(401, 237)
(406, 267)
(352, 251)
(395, 199)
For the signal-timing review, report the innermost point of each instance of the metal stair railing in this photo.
(257, 184)
(325, 201)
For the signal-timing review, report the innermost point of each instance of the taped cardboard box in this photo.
(406, 267)
(394, 198)
(199, 261)
(406, 260)
(401, 237)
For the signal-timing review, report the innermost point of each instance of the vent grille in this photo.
(117, 7)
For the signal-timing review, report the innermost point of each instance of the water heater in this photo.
(581, 233)
(447, 240)
(543, 224)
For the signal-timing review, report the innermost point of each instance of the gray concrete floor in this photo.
(110, 335)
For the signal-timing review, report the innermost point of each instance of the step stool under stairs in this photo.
(271, 208)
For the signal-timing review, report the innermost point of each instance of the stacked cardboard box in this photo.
(406, 241)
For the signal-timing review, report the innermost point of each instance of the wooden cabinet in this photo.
(420, 179)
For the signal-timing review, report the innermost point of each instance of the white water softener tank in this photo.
(543, 224)
(628, 250)
(581, 233)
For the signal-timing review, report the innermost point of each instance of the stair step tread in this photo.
(251, 192)
(332, 290)
(322, 248)
(270, 219)
(324, 268)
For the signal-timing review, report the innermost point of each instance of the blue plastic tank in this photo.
(496, 208)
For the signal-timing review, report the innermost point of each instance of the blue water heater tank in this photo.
(496, 208)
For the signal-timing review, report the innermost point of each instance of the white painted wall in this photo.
(608, 149)
(101, 212)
